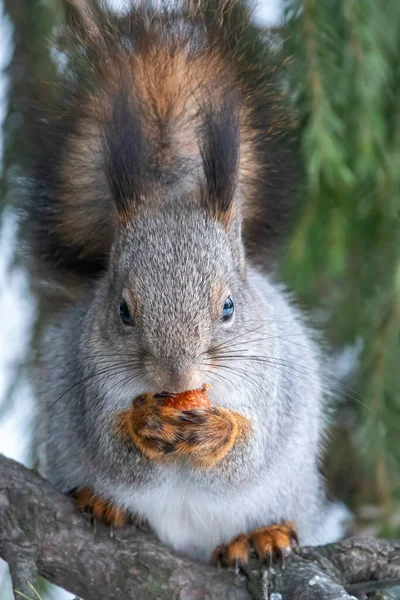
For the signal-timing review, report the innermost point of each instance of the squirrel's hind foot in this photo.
(99, 508)
(270, 544)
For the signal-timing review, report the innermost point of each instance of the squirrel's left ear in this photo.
(219, 147)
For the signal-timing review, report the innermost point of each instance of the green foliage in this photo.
(32, 24)
(344, 256)
(35, 596)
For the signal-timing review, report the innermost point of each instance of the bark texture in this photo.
(42, 534)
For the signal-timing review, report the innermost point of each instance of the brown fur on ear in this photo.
(126, 155)
(220, 151)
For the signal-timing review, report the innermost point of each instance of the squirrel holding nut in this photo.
(159, 182)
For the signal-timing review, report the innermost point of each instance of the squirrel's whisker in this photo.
(285, 365)
(242, 373)
(99, 373)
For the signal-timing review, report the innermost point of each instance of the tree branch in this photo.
(42, 534)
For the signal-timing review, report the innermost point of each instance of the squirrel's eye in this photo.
(228, 309)
(124, 313)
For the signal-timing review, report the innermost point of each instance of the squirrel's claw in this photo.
(234, 555)
(271, 545)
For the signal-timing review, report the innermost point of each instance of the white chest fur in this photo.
(192, 520)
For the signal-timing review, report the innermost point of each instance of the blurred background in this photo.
(341, 70)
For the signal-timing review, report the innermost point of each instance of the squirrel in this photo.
(159, 178)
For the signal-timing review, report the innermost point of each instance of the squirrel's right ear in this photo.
(125, 156)
(219, 146)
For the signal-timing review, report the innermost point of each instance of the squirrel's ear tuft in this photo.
(84, 18)
(219, 146)
(125, 155)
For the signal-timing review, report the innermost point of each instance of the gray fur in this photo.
(170, 261)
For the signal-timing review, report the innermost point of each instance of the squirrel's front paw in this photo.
(209, 434)
(270, 543)
(155, 429)
(202, 435)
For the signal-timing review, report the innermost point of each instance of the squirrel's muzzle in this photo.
(177, 373)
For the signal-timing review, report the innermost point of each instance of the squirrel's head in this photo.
(177, 264)
(175, 294)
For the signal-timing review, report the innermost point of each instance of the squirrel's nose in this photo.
(176, 375)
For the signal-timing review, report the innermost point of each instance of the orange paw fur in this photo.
(202, 435)
(270, 543)
(100, 509)
(210, 433)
